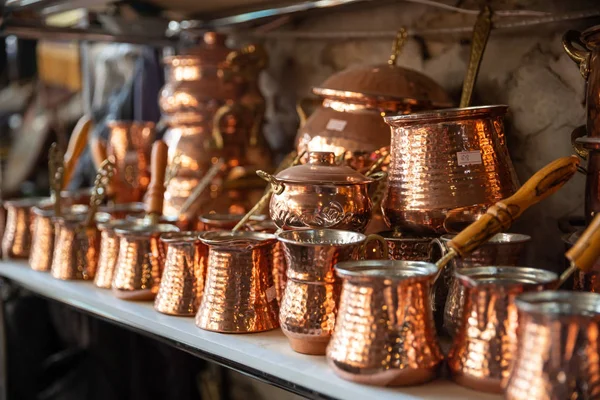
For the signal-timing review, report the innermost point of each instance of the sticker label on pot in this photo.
(271, 293)
(468, 157)
(336, 124)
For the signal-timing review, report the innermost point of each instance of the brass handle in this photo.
(77, 144)
(581, 57)
(586, 251)
(581, 151)
(156, 189)
(277, 186)
(481, 33)
(103, 178)
(501, 215)
(397, 46)
(235, 108)
(383, 246)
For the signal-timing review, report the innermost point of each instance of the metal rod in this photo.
(565, 275)
(202, 185)
(442, 262)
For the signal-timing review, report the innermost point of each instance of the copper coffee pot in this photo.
(141, 256)
(16, 242)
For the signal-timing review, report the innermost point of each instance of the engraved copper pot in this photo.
(447, 167)
(407, 247)
(310, 300)
(486, 341)
(320, 194)
(76, 248)
(505, 249)
(385, 334)
(558, 347)
(239, 296)
(140, 260)
(16, 242)
(182, 283)
(42, 235)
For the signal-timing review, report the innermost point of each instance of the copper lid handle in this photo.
(500, 216)
(156, 189)
(77, 144)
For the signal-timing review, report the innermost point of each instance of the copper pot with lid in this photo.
(355, 99)
(321, 194)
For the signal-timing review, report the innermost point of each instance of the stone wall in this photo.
(525, 68)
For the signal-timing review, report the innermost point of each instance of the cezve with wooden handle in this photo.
(585, 252)
(75, 148)
(500, 216)
(156, 189)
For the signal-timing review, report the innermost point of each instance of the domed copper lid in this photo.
(385, 82)
(321, 169)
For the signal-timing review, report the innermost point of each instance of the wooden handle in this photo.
(156, 189)
(586, 251)
(76, 146)
(500, 216)
(99, 154)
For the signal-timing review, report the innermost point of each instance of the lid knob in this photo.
(321, 158)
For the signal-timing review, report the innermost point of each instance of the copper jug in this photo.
(310, 300)
(385, 334)
(182, 283)
(16, 242)
(239, 295)
(447, 167)
(557, 355)
(486, 339)
(505, 249)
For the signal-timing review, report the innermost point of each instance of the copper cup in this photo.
(557, 355)
(42, 236)
(16, 242)
(486, 341)
(407, 247)
(310, 300)
(506, 249)
(239, 296)
(385, 334)
(182, 283)
(76, 248)
(140, 260)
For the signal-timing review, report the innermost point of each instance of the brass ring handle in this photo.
(383, 246)
(580, 56)
(277, 186)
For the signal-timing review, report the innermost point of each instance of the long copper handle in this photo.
(580, 56)
(56, 168)
(156, 189)
(500, 216)
(481, 33)
(77, 143)
(585, 252)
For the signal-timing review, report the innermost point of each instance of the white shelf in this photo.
(268, 352)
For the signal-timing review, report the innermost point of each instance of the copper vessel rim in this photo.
(195, 60)
(498, 239)
(560, 303)
(111, 225)
(132, 229)
(393, 236)
(76, 192)
(226, 218)
(181, 237)
(48, 211)
(122, 207)
(26, 202)
(366, 96)
(123, 123)
(324, 183)
(448, 114)
(235, 239)
(397, 270)
(506, 276)
(282, 237)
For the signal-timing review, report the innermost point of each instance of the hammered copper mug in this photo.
(239, 295)
(558, 346)
(16, 241)
(310, 300)
(385, 333)
(486, 340)
(182, 283)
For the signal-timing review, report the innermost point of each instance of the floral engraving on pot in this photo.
(326, 217)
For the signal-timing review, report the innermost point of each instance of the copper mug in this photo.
(385, 333)
(43, 235)
(407, 247)
(76, 248)
(557, 354)
(140, 260)
(239, 295)
(16, 241)
(505, 249)
(486, 340)
(182, 283)
(310, 300)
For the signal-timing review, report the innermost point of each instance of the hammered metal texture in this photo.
(109, 251)
(309, 303)
(16, 242)
(505, 249)
(559, 342)
(42, 241)
(139, 266)
(385, 334)
(75, 250)
(446, 160)
(239, 296)
(182, 284)
(408, 248)
(486, 341)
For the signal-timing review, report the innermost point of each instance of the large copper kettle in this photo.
(355, 99)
